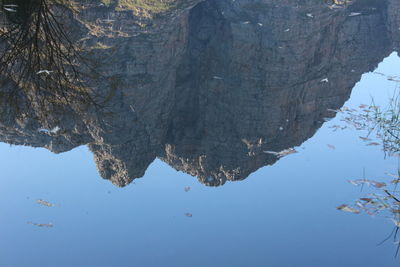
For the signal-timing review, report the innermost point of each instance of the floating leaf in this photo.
(365, 138)
(358, 182)
(44, 203)
(378, 184)
(187, 214)
(366, 199)
(346, 208)
(282, 153)
(359, 204)
(373, 144)
(48, 225)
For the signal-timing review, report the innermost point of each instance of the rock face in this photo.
(208, 86)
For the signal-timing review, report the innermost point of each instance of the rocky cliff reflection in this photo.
(210, 86)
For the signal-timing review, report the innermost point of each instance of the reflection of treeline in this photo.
(38, 56)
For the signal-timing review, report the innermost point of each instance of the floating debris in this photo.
(44, 71)
(217, 78)
(51, 131)
(378, 184)
(393, 78)
(366, 199)
(346, 208)
(331, 146)
(335, 6)
(309, 15)
(326, 80)
(338, 127)
(353, 14)
(188, 214)
(10, 9)
(367, 182)
(186, 189)
(47, 225)
(44, 203)
(365, 138)
(359, 182)
(282, 153)
(373, 144)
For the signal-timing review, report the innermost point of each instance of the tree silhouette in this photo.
(37, 52)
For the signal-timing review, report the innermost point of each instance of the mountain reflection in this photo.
(211, 89)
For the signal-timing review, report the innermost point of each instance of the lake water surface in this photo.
(199, 133)
(281, 215)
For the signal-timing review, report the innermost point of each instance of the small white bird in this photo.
(309, 15)
(44, 71)
(325, 80)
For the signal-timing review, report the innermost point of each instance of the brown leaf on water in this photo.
(378, 184)
(395, 181)
(366, 199)
(373, 144)
(187, 214)
(363, 106)
(186, 189)
(331, 146)
(346, 208)
(365, 138)
(396, 211)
